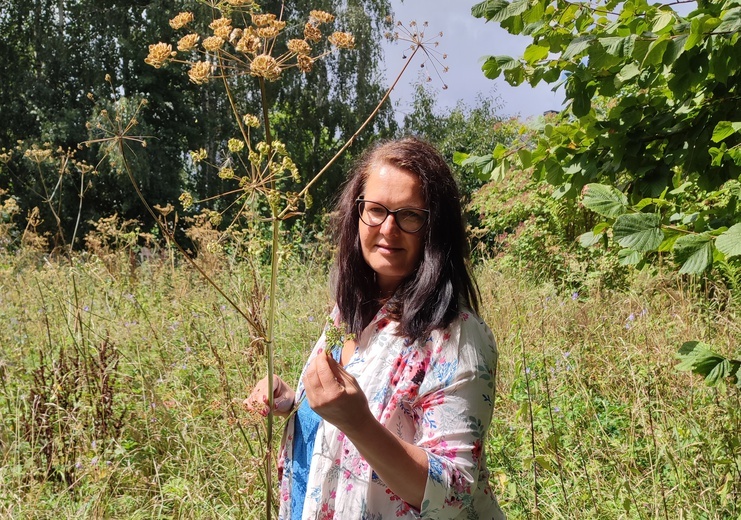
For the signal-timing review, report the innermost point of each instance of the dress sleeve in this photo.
(452, 415)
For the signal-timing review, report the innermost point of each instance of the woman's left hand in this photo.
(335, 395)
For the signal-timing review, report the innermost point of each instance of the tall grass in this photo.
(122, 389)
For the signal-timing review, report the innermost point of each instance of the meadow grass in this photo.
(122, 387)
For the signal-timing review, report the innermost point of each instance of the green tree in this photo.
(650, 136)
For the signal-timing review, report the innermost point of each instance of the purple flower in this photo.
(575, 296)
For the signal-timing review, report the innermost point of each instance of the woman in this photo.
(393, 424)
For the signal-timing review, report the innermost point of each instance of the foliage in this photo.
(653, 112)
(609, 422)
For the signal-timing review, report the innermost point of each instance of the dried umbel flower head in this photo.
(267, 33)
(213, 43)
(300, 47)
(239, 3)
(342, 40)
(265, 66)
(312, 32)
(305, 63)
(251, 121)
(235, 145)
(186, 199)
(200, 72)
(188, 42)
(181, 20)
(321, 16)
(222, 27)
(159, 54)
(263, 20)
(249, 43)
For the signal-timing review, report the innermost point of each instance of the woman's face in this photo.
(392, 253)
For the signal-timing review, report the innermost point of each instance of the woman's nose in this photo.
(389, 226)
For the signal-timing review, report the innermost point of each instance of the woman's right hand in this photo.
(283, 397)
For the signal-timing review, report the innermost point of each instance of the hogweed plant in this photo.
(243, 42)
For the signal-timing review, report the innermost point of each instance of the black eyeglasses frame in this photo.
(360, 201)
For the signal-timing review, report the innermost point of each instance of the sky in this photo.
(466, 40)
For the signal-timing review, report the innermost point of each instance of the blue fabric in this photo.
(306, 425)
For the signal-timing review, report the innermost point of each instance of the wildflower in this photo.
(263, 20)
(181, 20)
(575, 296)
(251, 121)
(312, 32)
(188, 42)
(305, 63)
(159, 53)
(200, 72)
(265, 66)
(342, 40)
(226, 173)
(300, 47)
(321, 16)
(186, 199)
(213, 43)
(235, 145)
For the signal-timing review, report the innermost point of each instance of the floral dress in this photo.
(437, 394)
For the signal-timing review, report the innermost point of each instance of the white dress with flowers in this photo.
(438, 396)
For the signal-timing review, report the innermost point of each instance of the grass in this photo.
(122, 388)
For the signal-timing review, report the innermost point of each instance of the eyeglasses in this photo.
(409, 220)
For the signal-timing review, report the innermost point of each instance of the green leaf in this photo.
(639, 231)
(589, 239)
(662, 20)
(698, 358)
(534, 53)
(627, 73)
(577, 47)
(729, 243)
(694, 252)
(725, 129)
(629, 257)
(605, 200)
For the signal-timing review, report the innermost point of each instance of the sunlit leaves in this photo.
(698, 358)
(607, 201)
(729, 243)
(638, 231)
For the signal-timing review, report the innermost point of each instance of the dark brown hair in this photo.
(430, 297)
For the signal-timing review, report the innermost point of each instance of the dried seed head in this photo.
(235, 35)
(226, 173)
(249, 43)
(305, 63)
(321, 16)
(239, 3)
(263, 20)
(223, 32)
(219, 23)
(159, 53)
(181, 20)
(342, 40)
(235, 145)
(213, 43)
(251, 121)
(300, 47)
(186, 199)
(188, 42)
(312, 32)
(265, 66)
(267, 32)
(200, 72)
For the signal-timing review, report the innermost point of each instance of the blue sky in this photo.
(465, 40)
